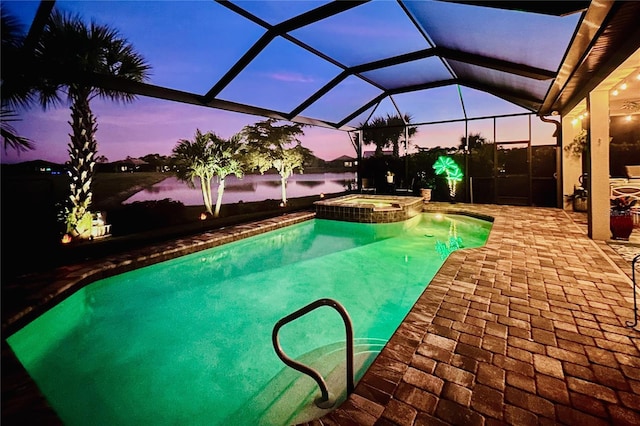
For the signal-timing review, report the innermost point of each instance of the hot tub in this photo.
(369, 208)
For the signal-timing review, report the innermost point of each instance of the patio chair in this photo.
(367, 186)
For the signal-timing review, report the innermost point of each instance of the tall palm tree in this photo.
(400, 129)
(70, 52)
(374, 132)
(270, 146)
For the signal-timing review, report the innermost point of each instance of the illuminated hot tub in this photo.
(369, 208)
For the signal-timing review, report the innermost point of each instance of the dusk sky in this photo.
(190, 48)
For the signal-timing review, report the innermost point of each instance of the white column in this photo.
(598, 216)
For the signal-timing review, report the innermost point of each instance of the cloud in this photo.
(291, 77)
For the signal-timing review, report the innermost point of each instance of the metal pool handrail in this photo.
(325, 401)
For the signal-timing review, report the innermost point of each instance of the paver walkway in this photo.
(530, 329)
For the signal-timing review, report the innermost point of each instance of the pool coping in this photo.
(69, 279)
(484, 311)
(342, 208)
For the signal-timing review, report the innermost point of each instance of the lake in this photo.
(249, 188)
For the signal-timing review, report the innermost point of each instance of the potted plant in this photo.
(425, 185)
(578, 199)
(390, 176)
(621, 221)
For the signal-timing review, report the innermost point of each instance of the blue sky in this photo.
(191, 44)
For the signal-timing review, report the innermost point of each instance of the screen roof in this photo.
(337, 63)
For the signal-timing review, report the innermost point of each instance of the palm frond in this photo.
(10, 137)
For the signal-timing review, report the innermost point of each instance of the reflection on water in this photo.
(240, 187)
(249, 188)
(454, 243)
(311, 183)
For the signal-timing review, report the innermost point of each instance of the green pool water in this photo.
(188, 341)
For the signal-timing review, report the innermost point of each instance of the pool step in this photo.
(289, 397)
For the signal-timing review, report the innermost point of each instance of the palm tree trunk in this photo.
(219, 200)
(205, 184)
(283, 182)
(82, 152)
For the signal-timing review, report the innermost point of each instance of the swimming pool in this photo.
(188, 341)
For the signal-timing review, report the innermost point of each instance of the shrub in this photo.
(146, 215)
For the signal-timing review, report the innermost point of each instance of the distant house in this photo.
(385, 153)
(343, 161)
(130, 165)
(35, 167)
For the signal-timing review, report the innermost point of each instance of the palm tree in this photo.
(476, 140)
(69, 52)
(374, 132)
(206, 157)
(229, 157)
(388, 131)
(270, 147)
(397, 126)
(194, 160)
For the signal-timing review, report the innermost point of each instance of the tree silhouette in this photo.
(387, 132)
(476, 140)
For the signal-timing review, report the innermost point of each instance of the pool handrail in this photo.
(325, 400)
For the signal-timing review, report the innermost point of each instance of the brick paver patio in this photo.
(530, 329)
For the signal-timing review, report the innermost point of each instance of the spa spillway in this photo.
(369, 208)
